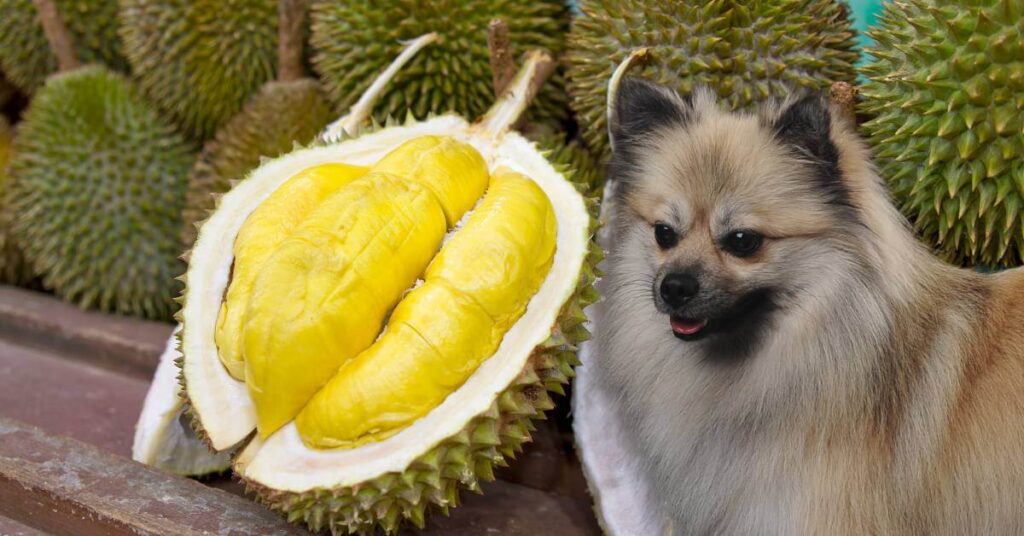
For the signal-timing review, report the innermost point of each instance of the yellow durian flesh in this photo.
(322, 296)
(473, 292)
(450, 168)
(263, 230)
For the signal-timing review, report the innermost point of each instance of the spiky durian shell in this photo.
(97, 192)
(946, 91)
(573, 159)
(13, 268)
(745, 50)
(7, 91)
(25, 54)
(200, 61)
(354, 40)
(277, 118)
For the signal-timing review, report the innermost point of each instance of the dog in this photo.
(786, 356)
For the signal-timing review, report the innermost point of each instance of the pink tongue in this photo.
(685, 327)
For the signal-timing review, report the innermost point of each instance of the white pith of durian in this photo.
(283, 462)
(161, 439)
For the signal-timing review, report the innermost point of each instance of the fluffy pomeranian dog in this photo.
(788, 358)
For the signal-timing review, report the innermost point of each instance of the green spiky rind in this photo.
(7, 90)
(946, 90)
(14, 269)
(575, 162)
(98, 184)
(272, 122)
(433, 481)
(354, 41)
(25, 54)
(745, 50)
(200, 61)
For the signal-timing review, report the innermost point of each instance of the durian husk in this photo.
(462, 459)
(200, 61)
(25, 55)
(746, 51)
(163, 436)
(14, 269)
(571, 155)
(97, 188)
(946, 93)
(352, 41)
(281, 116)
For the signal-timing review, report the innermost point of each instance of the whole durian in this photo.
(13, 268)
(745, 50)
(354, 39)
(570, 154)
(946, 91)
(24, 55)
(97, 192)
(288, 111)
(200, 61)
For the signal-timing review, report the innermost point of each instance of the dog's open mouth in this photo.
(687, 329)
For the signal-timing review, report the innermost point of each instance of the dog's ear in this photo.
(805, 124)
(641, 107)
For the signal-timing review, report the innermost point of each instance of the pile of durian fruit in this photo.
(372, 311)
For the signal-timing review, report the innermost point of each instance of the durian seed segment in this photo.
(321, 293)
(473, 292)
(263, 231)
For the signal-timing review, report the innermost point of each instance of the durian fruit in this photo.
(7, 91)
(27, 60)
(200, 61)
(572, 156)
(745, 50)
(287, 111)
(946, 91)
(98, 184)
(423, 419)
(13, 268)
(353, 39)
(163, 437)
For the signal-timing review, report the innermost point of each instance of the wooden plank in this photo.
(63, 486)
(69, 398)
(10, 527)
(118, 343)
(512, 510)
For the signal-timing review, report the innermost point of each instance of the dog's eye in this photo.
(742, 243)
(665, 236)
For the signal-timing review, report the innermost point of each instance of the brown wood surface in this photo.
(65, 397)
(118, 343)
(10, 527)
(63, 486)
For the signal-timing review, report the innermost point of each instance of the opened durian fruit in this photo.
(372, 322)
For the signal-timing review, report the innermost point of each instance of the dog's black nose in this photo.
(677, 289)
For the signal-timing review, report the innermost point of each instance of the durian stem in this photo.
(290, 14)
(500, 53)
(362, 109)
(57, 35)
(613, 87)
(844, 98)
(519, 93)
